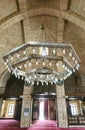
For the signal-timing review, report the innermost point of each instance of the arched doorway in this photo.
(44, 102)
(44, 107)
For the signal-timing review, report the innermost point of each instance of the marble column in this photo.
(26, 113)
(1, 103)
(62, 120)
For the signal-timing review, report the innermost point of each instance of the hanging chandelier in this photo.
(42, 62)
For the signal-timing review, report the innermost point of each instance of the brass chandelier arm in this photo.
(67, 63)
(37, 44)
(35, 56)
(75, 53)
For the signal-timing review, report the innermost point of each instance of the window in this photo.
(11, 109)
(74, 109)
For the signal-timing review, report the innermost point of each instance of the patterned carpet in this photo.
(36, 125)
(9, 122)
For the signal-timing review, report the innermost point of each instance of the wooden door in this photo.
(35, 109)
(52, 110)
(44, 109)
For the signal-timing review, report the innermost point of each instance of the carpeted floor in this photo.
(9, 122)
(41, 128)
(36, 125)
(44, 123)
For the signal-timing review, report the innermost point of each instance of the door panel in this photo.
(47, 107)
(35, 109)
(52, 110)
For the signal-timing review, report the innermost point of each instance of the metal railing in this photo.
(76, 120)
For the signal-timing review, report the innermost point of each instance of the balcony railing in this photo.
(76, 120)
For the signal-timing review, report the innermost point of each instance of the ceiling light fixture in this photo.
(47, 67)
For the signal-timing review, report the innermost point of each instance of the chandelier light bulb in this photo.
(70, 72)
(73, 58)
(47, 83)
(7, 66)
(30, 77)
(66, 68)
(43, 63)
(52, 77)
(18, 55)
(37, 83)
(50, 63)
(33, 50)
(44, 51)
(18, 76)
(30, 64)
(6, 62)
(25, 65)
(22, 77)
(64, 51)
(64, 77)
(77, 67)
(35, 76)
(41, 76)
(9, 70)
(36, 62)
(73, 70)
(70, 54)
(32, 82)
(57, 64)
(24, 52)
(29, 81)
(47, 76)
(75, 61)
(63, 66)
(12, 58)
(54, 51)
(42, 83)
(20, 66)
(56, 80)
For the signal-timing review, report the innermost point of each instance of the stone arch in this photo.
(67, 15)
(3, 81)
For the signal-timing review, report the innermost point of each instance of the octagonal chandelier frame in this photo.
(42, 62)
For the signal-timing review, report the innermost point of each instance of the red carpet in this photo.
(37, 125)
(44, 123)
(9, 122)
